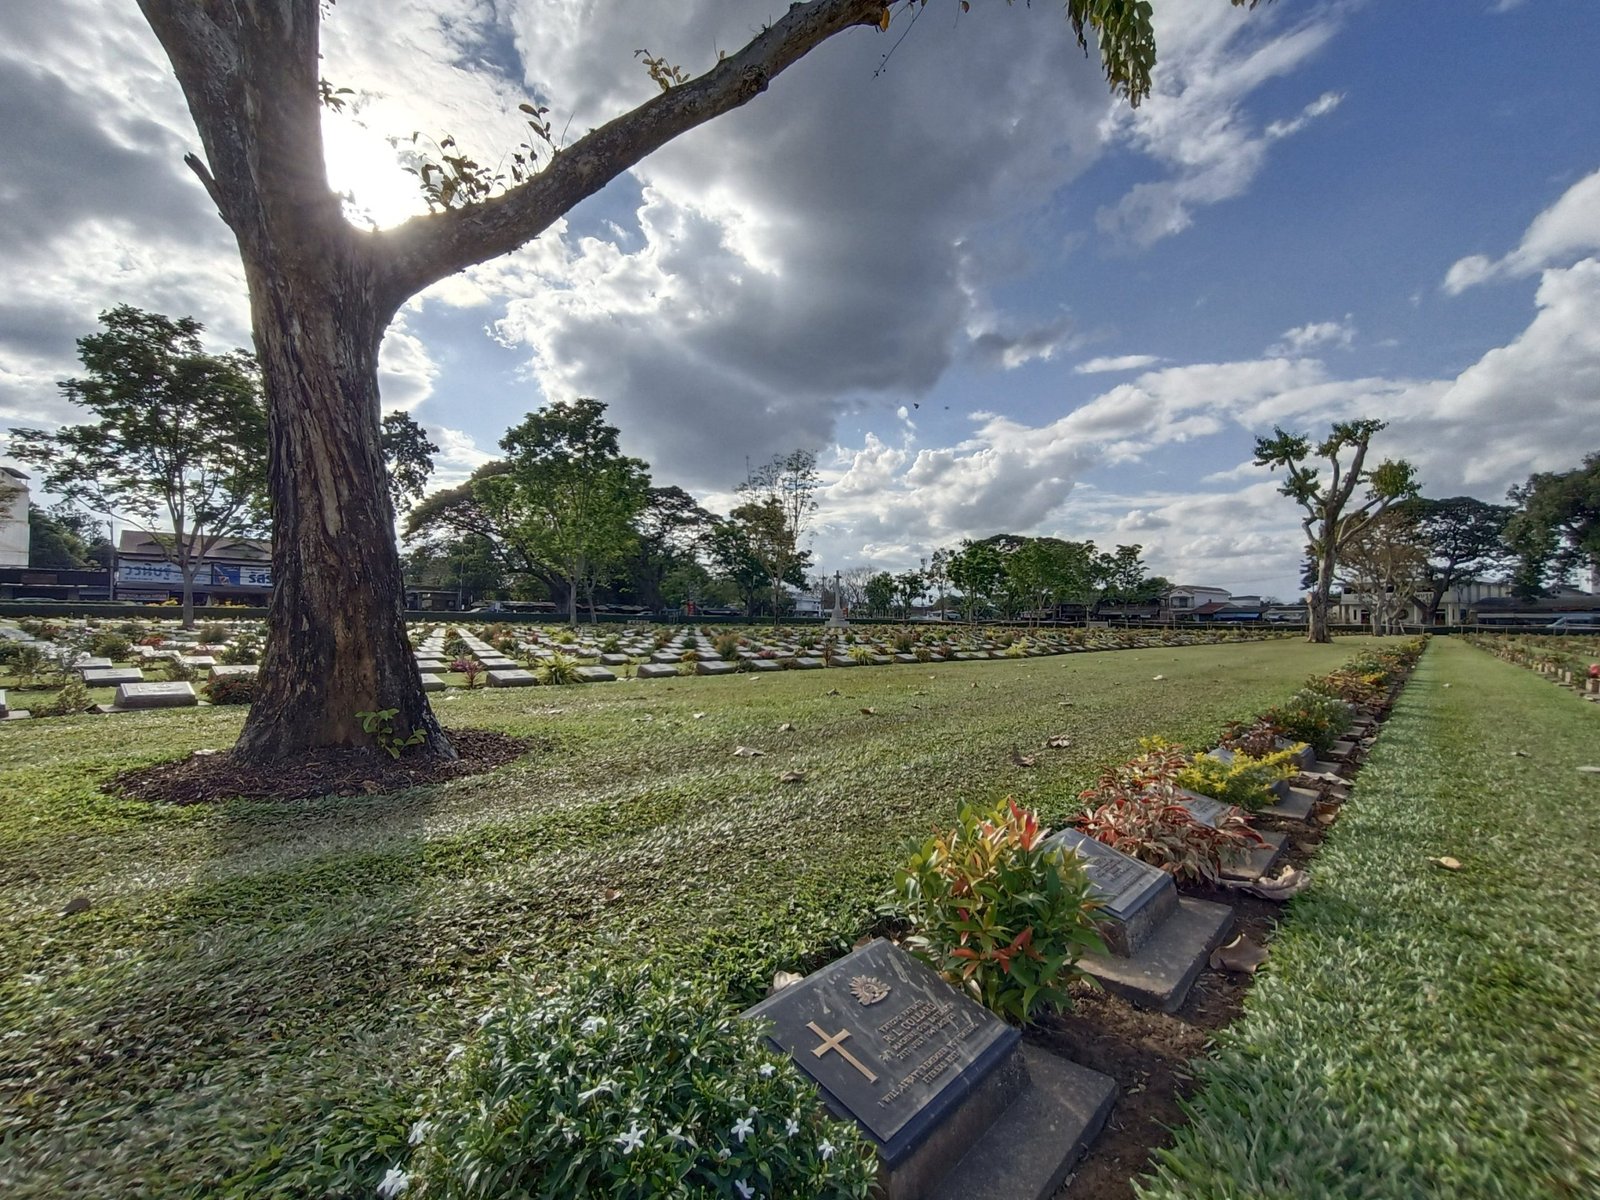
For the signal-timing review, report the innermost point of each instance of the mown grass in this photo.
(1419, 1031)
(259, 992)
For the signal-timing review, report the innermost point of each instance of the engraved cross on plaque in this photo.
(832, 1041)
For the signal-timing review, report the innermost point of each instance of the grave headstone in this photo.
(943, 1089)
(176, 694)
(714, 667)
(655, 670)
(613, 660)
(1256, 861)
(235, 671)
(593, 675)
(432, 683)
(90, 663)
(513, 677)
(1157, 941)
(112, 676)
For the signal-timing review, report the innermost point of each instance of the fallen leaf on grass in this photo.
(75, 906)
(1060, 742)
(792, 777)
(1520, 754)
(783, 979)
(1021, 759)
(831, 692)
(612, 895)
(1590, 770)
(1240, 955)
(699, 716)
(747, 752)
(1448, 863)
(869, 712)
(1157, 678)
(786, 727)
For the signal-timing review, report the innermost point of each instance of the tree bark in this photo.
(1317, 615)
(321, 296)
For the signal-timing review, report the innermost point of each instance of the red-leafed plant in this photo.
(1136, 808)
(996, 912)
(470, 667)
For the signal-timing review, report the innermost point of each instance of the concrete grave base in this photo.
(1163, 970)
(593, 675)
(714, 667)
(655, 670)
(1028, 1151)
(1261, 860)
(155, 695)
(1296, 806)
(111, 676)
(432, 683)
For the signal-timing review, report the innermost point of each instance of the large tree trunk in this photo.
(336, 642)
(1317, 630)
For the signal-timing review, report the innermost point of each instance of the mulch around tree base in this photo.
(207, 778)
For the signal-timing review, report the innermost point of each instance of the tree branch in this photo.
(427, 249)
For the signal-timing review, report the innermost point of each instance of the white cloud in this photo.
(1320, 107)
(1212, 58)
(1125, 362)
(1313, 334)
(1566, 230)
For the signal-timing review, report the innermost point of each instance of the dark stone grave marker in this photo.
(955, 1105)
(1157, 941)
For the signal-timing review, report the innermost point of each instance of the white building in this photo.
(13, 518)
(1185, 599)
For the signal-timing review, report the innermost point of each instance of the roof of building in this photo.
(137, 541)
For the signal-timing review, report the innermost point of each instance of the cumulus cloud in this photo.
(1561, 233)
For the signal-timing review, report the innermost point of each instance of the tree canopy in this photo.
(178, 445)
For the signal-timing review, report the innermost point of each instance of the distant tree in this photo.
(670, 528)
(736, 559)
(568, 493)
(54, 545)
(939, 574)
(1465, 540)
(880, 593)
(1386, 564)
(322, 292)
(408, 456)
(451, 514)
(179, 444)
(908, 586)
(978, 571)
(1556, 527)
(1330, 523)
(779, 499)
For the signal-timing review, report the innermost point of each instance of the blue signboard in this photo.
(250, 577)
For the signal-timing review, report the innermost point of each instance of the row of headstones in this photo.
(668, 661)
(956, 1106)
(133, 690)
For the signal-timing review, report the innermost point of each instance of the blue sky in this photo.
(990, 296)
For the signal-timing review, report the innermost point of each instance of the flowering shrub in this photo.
(233, 689)
(626, 1086)
(1246, 782)
(1312, 717)
(996, 912)
(1135, 808)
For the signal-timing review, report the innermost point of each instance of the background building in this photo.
(13, 518)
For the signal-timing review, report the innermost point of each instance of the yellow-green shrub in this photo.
(1246, 781)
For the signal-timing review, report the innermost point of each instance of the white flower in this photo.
(394, 1183)
(631, 1140)
(744, 1189)
(724, 1154)
(766, 1070)
(592, 1026)
(743, 1128)
(826, 1149)
(791, 1127)
(418, 1132)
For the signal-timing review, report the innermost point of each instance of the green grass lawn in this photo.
(1424, 1032)
(259, 992)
